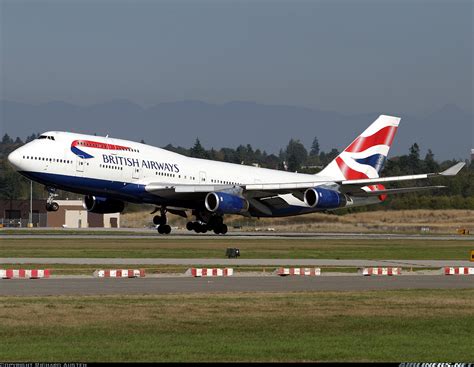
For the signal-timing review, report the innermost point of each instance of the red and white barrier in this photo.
(120, 273)
(459, 271)
(199, 272)
(381, 271)
(24, 273)
(298, 271)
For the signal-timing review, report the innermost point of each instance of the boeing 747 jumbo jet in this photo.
(110, 172)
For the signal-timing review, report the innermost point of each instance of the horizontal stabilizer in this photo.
(397, 191)
(454, 170)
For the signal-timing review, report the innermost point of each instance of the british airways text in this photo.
(135, 162)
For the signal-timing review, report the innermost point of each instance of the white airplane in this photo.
(110, 172)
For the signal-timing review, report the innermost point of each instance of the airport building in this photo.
(71, 214)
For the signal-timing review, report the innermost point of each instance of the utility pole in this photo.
(30, 221)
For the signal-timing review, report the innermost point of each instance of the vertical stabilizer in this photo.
(366, 155)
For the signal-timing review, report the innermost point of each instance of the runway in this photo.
(236, 262)
(173, 285)
(183, 234)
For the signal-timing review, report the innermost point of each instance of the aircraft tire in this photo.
(199, 228)
(223, 229)
(159, 220)
(53, 207)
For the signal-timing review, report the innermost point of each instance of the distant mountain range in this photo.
(448, 132)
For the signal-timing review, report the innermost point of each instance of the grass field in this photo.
(423, 325)
(214, 247)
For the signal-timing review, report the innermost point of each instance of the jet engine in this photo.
(318, 197)
(223, 203)
(100, 205)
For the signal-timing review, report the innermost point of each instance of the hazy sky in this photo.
(346, 56)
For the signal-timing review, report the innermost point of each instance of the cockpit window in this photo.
(46, 137)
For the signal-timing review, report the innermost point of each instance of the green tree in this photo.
(31, 138)
(6, 139)
(414, 158)
(314, 148)
(197, 151)
(430, 162)
(296, 154)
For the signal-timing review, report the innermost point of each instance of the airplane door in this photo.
(202, 177)
(136, 173)
(80, 163)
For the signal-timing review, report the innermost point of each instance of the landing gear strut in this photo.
(160, 221)
(51, 205)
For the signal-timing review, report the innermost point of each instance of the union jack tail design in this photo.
(366, 155)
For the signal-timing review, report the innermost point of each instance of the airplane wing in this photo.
(266, 196)
(452, 171)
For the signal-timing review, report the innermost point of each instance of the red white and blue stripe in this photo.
(77, 147)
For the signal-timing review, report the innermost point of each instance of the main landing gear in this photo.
(51, 205)
(215, 223)
(205, 221)
(160, 221)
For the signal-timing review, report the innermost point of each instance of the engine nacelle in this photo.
(318, 197)
(223, 203)
(100, 205)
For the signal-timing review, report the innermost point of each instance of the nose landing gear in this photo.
(51, 205)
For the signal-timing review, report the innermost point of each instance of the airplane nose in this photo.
(14, 158)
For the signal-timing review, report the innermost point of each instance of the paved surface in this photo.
(182, 234)
(89, 286)
(235, 262)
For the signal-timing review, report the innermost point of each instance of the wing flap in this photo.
(180, 188)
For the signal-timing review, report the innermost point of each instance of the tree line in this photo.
(459, 193)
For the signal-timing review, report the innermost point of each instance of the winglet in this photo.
(454, 170)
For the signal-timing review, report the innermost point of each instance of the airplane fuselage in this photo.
(110, 172)
(122, 169)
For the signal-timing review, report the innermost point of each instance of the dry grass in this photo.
(74, 311)
(438, 221)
